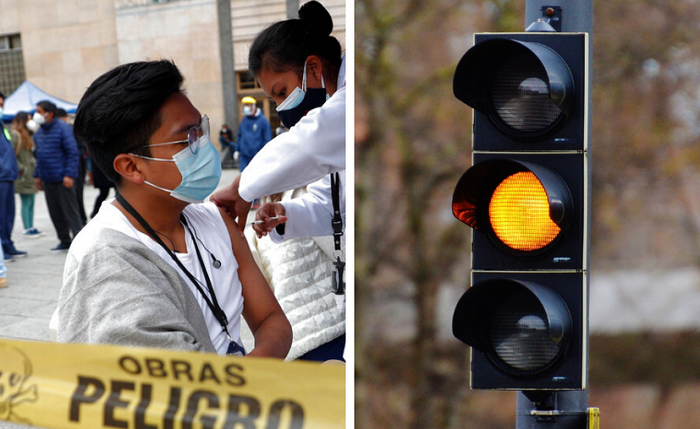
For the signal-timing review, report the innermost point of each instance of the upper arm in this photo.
(259, 301)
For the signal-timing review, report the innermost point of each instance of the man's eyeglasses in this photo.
(192, 135)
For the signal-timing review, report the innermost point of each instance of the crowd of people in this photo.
(25, 170)
(169, 262)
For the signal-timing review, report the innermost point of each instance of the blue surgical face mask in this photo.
(301, 101)
(200, 172)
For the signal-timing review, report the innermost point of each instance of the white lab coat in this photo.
(313, 148)
(310, 215)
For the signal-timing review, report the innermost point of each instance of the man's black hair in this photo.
(121, 110)
(48, 106)
(61, 113)
(2, 95)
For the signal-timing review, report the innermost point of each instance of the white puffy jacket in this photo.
(299, 272)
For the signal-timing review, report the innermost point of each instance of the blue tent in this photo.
(25, 99)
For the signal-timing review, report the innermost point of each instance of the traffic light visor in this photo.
(522, 327)
(524, 88)
(522, 207)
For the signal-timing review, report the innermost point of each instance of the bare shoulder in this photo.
(231, 225)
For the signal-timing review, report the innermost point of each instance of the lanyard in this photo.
(212, 303)
(337, 224)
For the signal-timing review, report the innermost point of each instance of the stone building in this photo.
(63, 45)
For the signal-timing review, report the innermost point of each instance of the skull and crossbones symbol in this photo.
(15, 369)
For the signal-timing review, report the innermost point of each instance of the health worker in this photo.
(300, 66)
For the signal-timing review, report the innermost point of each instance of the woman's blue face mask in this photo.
(301, 101)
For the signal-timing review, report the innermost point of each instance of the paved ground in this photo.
(35, 280)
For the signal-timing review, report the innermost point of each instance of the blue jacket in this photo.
(56, 152)
(8, 163)
(253, 133)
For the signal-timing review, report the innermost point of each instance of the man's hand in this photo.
(37, 182)
(229, 199)
(264, 213)
(67, 182)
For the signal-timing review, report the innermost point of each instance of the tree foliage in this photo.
(645, 133)
(413, 142)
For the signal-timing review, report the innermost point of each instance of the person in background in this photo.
(155, 267)
(101, 182)
(56, 170)
(9, 171)
(82, 167)
(253, 132)
(24, 185)
(228, 148)
(226, 138)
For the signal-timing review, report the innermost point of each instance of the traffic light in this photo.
(527, 199)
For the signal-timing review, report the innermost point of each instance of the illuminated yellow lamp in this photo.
(519, 213)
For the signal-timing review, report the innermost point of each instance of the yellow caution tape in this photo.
(92, 386)
(594, 418)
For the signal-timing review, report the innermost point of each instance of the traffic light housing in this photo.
(527, 199)
(528, 90)
(555, 189)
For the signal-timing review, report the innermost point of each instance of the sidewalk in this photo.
(27, 304)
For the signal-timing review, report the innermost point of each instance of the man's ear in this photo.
(314, 71)
(127, 166)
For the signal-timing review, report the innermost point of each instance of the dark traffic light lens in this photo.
(519, 213)
(521, 328)
(520, 335)
(521, 96)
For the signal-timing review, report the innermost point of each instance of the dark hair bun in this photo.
(315, 19)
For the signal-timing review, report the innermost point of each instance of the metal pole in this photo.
(577, 17)
(569, 410)
(577, 14)
(228, 72)
(565, 409)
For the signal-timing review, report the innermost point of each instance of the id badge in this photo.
(235, 349)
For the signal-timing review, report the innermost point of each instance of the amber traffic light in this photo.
(526, 198)
(523, 209)
(519, 213)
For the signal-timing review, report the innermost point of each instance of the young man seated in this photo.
(155, 268)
